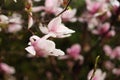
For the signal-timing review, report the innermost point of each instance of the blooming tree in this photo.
(59, 39)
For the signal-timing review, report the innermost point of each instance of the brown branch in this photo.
(95, 67)
(65, 8)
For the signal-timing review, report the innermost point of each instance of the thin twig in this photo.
(95, 66)
(65, 8)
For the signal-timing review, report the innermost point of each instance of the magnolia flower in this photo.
(112, 53)
(116, 71)
(42, 47)
(14, 23)
(99, 8)
(99, 75)
(109, 65)
(68, 15)
(56, 28)
(104, 29)
(73, 52)
(115, 5)
(94, 6)
(51, 6)
(6, 69)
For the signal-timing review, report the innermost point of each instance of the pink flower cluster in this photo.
(97, 14)
(112, 53)
(54, 7)
(44, 47)
(74, 53)
(13, 23)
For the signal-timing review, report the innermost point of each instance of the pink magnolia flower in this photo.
(51, 6)
(68, 15)
(6, 69)
(102, 29)
(43, 47)
(116, 71)
(112, 53)
(94, 6)
(115, 4)
(56, 28)
(109, 65)
(99, 75)
(99, 8)
(73, 52)
(14, 23)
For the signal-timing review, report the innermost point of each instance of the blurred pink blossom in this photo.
(6, 68)
(56, 28)
(42, 47)
(15, 22)
(116, 71)
(93, 6)
(73, 52)
(68, 15)
(99, 75)
(115, 4)
(109, 65)
(99, 8)
(103, 29)
(50, 6)
(112, 53)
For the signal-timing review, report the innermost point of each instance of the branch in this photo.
(65, 8)
(95, 66)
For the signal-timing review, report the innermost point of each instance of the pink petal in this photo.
(108, 50)
(53, 25)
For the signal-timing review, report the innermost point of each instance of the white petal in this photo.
(30, 21)
(63, 57)
(31, 50)
(43, 29)
(57, 52)
(65, 30)
(49, 35)
(64, 36)
(44, 46)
